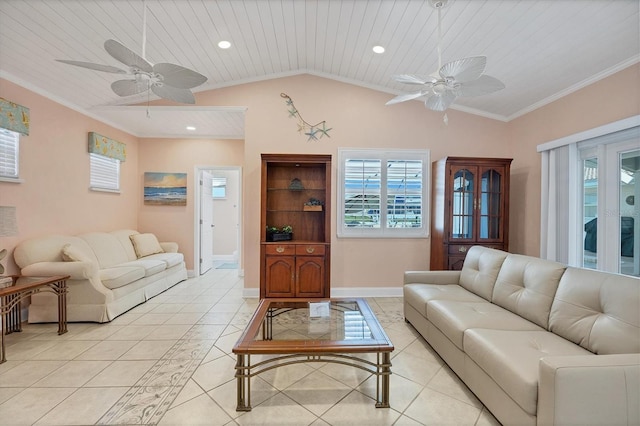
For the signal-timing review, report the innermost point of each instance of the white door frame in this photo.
(196, 212)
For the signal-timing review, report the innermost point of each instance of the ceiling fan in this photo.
(460, 78)
(168, 81)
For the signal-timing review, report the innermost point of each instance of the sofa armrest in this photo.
(589, 390)
(431, 277)
(76, 270)
(169, 247)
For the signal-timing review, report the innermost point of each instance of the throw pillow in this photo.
(71, 253)
(145, 244)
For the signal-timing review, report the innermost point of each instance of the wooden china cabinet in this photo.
(470, 206)
(296, 192)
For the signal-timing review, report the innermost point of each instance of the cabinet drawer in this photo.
(459, 249)
(310, 250)
(463, 249)
(280, 249)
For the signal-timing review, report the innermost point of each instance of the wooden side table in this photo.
(11, 294)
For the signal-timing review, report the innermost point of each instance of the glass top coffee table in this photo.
(311, 330)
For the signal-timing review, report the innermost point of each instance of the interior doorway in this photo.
(218, 223)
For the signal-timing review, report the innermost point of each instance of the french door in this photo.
(610, 210)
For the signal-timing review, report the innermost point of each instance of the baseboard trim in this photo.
(343, 292)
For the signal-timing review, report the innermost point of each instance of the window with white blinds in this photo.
(219, 187)
(9, 150)
(105, 173)
(383, 193)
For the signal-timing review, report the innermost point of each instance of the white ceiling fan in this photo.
(460, 78)
(168, 81)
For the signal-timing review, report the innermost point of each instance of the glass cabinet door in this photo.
(462, 205)
(490, 205)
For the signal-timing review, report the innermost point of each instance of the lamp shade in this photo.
(8, 222)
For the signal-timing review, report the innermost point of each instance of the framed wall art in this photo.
(165, 189)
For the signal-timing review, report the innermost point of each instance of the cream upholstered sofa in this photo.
(537, 342)
(111, 272)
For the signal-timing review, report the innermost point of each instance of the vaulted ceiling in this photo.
(540, 49)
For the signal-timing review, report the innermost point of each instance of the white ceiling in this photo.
(540, 49)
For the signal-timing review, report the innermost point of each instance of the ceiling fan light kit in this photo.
(167, 81)
(459, 78)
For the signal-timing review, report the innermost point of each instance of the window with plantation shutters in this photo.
(9, 150)
(105, 173)
(383, 193)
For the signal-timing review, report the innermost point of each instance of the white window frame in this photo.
(384, 155)
(219, 182)
(563, 241)
(104, 173)
(9, 155)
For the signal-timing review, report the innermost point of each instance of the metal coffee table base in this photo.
(245, 371)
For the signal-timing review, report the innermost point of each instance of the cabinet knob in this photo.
(280, 249)
(310, 250)
(462, 249)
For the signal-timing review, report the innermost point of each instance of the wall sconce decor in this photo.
(313, 131)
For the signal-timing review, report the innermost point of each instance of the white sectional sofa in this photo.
(537, 342)
(111, 272)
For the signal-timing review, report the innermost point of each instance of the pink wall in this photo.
(54, 164)
(358, 118)
(176, 223)
(605, 101)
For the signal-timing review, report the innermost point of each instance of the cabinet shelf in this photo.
(296, 190)
(297, 267)
(295, 211)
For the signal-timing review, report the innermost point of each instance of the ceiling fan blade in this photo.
(178, 76)
(127, 56)
(413, 79)
(465, 69)
(440, 102)
(128, 87)
(406, 97)
(174, 94)
(92, 66)
(484, 85)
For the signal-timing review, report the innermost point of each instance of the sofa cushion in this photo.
(526, 286)
(453, 318)
(73, 253)
(512, 358)
(123, 235)
(598, 310)
(150, 266)
(480, 269)
(145, 244)
(170, 259)
(106, 247)
(417, 295)
(120, 276)
(47, 249)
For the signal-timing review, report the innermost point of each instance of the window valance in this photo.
(14, 117)
(107, 147)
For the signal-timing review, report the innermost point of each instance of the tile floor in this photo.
(169, 362)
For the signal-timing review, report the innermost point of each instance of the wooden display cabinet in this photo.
(470, 206)
(298, 267)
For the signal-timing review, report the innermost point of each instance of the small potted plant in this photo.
(313, 205)
(279, 234)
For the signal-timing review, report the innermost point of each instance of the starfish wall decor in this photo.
(313, 131)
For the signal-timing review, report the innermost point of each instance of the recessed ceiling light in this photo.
(224, 44)
(191, 128)
(378, 49)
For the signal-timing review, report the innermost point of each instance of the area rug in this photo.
(228, 266)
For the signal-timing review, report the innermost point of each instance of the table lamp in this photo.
(8, 228)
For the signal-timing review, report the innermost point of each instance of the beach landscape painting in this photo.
(165, 189)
